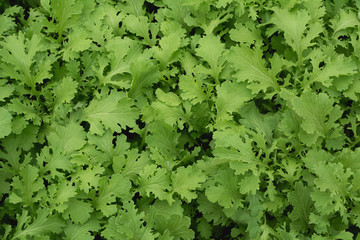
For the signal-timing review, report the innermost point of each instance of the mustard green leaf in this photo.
(117, 186)
(192, 89)
(61, 195)
(140, 26)
(81, 232)
(88, 178)
(23, 61)
(68, 138)
(212, 212)
(155, 180)
(170, 115)
(303, 205)
(231, 96)
(64, 12)
(78, 41)
(128, 224)
(27, 187)
(121, 53)
(215, 57)
(163, 138)
(226, 192)
(251, 67)
(7, 24)
(113, 112)
(131, 163)
(344, 19)
(232, 147)
(249, 184)
(294, 25)
(26, 108)
(65, 91)
(42, 224)
(168, 53)
(5, 90)
(332, 177)
(177, 226)
(144, 75)
(317, 111)
(78, 211)
(244, 34)
(170, 98)
(185, 181)
(336, 66)
(5, 122)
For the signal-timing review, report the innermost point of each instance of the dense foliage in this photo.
(189, 119)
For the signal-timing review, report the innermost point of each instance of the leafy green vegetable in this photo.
(171, 120)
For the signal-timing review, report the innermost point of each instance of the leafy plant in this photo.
(206, 119)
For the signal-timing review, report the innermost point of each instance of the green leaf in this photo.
(192, 89)
(163, 138)
(26, 108)
(81, 232)
(27, 187)
(61, 195)
(134, 7)
(55, 161)
(294, 24)
(4, 185)
(67, 138)
(317, 111)
(65, 91)
(215, 57)
(186, 180)
(231, 96)
(140, 26)
(78, 41)
(88, 178)
(345, 19)
(249, 184)
(212, 212)
(244, 34)
(263, 124)
(170, 115)
(78, 211)
(5, 122)
(19, 52)
(303, 206)
(177, 226)
(334, 67)
(144, 75)
(168, 53)
(233, 146)
(170, 99)
(103, 147)
(5, 90)
(128, 224)
(64, 12)
(117, 186)
(23, 61)
(250, 66)
(130, 163)
(204, 228)
(42, 225)
(226, 191)
(7, 23)
(290, 123)
(110, 112)
(155, 180)
(122, 52)
(332, 177)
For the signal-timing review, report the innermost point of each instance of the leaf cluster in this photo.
(189, 119)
